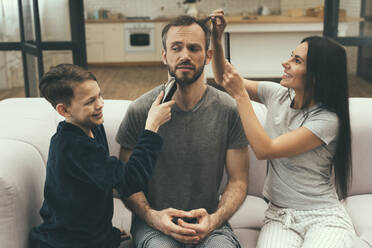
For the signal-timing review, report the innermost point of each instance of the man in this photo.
(204, 134)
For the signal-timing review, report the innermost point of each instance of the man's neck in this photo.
(187, 96)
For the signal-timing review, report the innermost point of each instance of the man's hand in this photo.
(162, 221)
(205, 224)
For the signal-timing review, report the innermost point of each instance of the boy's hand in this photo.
(158, 113)
(123, 235)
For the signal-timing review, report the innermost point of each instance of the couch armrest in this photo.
(22, 174)
(359, 209)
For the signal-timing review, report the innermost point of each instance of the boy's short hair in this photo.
(57, 84)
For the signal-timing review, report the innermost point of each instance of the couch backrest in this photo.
(29, 120)
(361, 131)
(34, 121)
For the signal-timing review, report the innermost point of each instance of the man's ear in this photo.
(62, 109)
(164, 56)
(208, 56)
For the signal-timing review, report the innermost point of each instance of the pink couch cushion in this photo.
(250, 215)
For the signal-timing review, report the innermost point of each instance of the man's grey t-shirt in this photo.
(302, 181)
(190, 166)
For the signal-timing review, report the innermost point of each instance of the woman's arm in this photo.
(286, 145)
(218, 60)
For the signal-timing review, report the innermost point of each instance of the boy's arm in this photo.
(91, 163)
(137, 202)
(140, 164)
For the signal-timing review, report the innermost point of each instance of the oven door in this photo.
(139, 39)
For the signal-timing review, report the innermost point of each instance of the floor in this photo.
(131, 82)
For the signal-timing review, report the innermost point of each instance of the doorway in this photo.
(49, 32)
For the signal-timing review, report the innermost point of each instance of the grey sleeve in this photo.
(324, 125)
(132, 126)
(267, 91)
(237, 138)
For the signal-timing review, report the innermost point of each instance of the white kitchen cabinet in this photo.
(158, 40)
(113, 42)
(257, 50)
(105, 42)
(94, 42)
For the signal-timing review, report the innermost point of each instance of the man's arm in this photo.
(160, 220)
(232, 198)
(237, 165)
(137, 202)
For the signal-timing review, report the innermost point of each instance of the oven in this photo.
(139, 37)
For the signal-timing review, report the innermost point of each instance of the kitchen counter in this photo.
(282, 19)
(258, 44)
(238, 20)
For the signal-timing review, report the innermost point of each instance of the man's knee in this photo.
(221, 238)
(159, 240)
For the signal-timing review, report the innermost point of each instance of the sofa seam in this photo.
(12, 216)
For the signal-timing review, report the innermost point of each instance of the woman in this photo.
(306, 137)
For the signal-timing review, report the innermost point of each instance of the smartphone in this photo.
(227, 47)
(169, 89)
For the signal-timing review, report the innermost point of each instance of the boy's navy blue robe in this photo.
(78, 199)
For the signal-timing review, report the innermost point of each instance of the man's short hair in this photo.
(57, 84)
(186, 20)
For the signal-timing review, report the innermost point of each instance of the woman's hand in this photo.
(233, 82)
(218, 24)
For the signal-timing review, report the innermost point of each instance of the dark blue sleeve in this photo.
(93, 164)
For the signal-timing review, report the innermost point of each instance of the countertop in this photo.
(239, 20)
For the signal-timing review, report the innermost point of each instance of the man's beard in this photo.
(184, 79)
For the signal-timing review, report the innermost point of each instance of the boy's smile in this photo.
(86, 107)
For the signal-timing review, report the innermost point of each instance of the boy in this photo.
(78, 201)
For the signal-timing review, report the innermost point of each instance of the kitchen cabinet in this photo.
(257, 49)
(258, 44)
(94, 42)
(158, 28)
(105, 43)
(113, 45)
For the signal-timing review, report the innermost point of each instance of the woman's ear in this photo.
(62, 110)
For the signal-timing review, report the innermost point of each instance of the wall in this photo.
(171, 8)
(352, 8)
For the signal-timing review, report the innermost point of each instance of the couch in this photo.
(27, 125)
